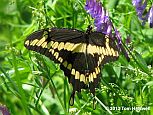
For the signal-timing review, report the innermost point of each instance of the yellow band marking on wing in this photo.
(68, 46)
(73, 72)
(49, 44)
(109, 51)
(100, 60)
(106, 52)
(97, 70)
(60, 59)
(94, 75)
(61, 46)
(42, 40)
(82, 78)
(102, 57)
(52, 42)
(69, 66)
(33, 43)
(113, 52)
(55, 45)
(44, 45)
(56, 54)
(116, 52)
(75, 46)
(87, 80)
(52, 51)
(65, 64)
(98, 49)
(79, 48)
(91, 78)
(91, 49)
(27, 42)
(83, 47)
(77, 75)
(103, 50)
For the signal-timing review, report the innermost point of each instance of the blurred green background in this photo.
(31, 84)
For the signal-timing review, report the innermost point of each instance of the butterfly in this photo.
(80, 54)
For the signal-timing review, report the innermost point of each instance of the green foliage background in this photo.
(31, 84)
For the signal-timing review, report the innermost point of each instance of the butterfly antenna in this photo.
(89, 29)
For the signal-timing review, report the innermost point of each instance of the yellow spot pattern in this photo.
(85, 78)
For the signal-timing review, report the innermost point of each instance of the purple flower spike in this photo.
(140, 6)
(102, 21)
(150, 17)
(118, 36)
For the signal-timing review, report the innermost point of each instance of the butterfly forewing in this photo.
(52, 42)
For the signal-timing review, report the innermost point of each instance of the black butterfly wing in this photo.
(54, 42)
(102, 49)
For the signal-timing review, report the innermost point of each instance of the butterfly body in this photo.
(80, 54)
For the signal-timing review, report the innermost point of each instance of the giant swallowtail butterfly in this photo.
(80, 54)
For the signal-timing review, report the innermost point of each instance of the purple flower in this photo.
(140, 9)
(118, 36)
(120, 46)
(150, 17)
(4, 110)
(102, 22)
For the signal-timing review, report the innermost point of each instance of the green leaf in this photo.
(142, 64)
